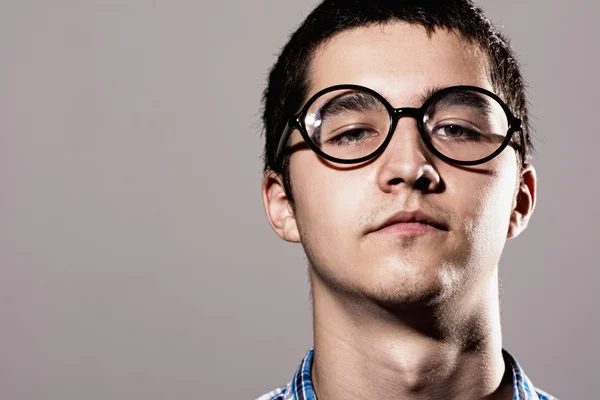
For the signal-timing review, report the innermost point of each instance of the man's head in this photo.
(403, 50)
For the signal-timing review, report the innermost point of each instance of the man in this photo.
(398, 155)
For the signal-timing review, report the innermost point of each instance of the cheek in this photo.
(487, 209)
(327, 205)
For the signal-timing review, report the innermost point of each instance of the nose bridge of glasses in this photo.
(403, 135)
(398, 113)
(406, 112)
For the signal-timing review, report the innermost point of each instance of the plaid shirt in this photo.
(301, 388)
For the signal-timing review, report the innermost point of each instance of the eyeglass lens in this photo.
(463, 125)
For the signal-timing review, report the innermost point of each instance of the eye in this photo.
(352, 137)
(455, 132)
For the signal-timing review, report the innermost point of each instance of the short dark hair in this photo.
(288, 83)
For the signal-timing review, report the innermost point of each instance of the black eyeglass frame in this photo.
(297, 122)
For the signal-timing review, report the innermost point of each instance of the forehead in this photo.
(399, 60)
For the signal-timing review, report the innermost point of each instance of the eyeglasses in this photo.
(348, 124)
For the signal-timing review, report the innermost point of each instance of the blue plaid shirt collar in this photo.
(301, 388)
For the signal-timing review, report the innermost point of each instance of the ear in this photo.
(523, 203)
(277, 206)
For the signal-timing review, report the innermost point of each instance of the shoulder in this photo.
(543, 395)
(281, 393)
(299, 387)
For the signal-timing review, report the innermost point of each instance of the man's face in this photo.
(338, 208)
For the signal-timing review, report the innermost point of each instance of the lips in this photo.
(412, 218)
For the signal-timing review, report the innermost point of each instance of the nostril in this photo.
(423, 184)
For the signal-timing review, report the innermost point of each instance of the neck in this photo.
(452, 350)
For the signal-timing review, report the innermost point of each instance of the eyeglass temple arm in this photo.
(282, 142)
(519, 126)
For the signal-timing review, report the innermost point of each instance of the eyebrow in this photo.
(358, 101)
(468, 99)
(353, 101)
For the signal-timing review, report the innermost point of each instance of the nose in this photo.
(407, 161)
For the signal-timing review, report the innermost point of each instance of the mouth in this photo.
(411, 223)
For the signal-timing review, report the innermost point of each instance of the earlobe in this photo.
(524, 202)
(278, 209)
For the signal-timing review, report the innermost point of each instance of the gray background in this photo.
(136, 261)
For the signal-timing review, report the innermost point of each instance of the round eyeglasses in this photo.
(348, 124)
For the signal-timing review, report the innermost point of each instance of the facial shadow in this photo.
(302, 146)
(481, 169)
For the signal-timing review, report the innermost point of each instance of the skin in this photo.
(411, 316)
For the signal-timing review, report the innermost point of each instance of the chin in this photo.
(394, 280)
(414, 283)
(407, 294)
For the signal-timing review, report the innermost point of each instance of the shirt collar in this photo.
(302, 388)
